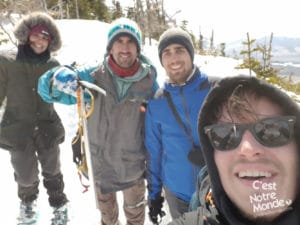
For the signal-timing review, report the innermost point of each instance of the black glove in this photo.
(155, 207)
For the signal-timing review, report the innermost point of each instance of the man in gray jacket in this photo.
(116, 126)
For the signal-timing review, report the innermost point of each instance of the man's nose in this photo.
(249, 146)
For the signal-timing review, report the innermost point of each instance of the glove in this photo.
(155, 207)
(65, 80)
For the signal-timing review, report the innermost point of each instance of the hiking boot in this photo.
(28, 214)
(60, 215)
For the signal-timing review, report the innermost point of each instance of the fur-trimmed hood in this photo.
(217, 96)
(25, 25)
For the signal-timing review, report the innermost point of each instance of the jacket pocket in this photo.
(50, 134)
(14, 136)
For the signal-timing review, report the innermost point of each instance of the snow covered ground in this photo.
(84, 41)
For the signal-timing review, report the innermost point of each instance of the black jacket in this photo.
(25, 110)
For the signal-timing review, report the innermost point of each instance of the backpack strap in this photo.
(174, 111)
(210, 82)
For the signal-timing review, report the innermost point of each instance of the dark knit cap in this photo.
(176, 35)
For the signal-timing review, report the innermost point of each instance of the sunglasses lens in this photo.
(270, 132)
(225, 137)
(273, 132)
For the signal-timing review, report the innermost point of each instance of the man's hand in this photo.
(155, 210)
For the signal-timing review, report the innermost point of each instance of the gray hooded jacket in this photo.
(116, 130)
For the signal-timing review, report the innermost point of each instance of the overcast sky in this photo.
(232, 19)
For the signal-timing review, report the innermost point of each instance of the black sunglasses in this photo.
(270, 132)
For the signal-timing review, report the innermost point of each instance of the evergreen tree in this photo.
(267, 71)
(249, 61)
(79, 9)
(116, 10)
(264, 70)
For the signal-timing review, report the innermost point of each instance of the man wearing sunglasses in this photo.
(248, 130)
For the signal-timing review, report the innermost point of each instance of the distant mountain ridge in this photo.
(284, 49)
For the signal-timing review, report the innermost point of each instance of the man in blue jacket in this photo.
(171, 135)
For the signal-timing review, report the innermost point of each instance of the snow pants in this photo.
(26, 171)
(133, 205)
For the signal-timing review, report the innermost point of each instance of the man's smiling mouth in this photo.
(253, 174)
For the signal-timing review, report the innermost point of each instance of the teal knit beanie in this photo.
(124, 27)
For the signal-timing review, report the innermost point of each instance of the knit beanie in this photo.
(124, 27)
(38, 22)
(175, 35)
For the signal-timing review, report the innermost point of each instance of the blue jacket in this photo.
(168, 144)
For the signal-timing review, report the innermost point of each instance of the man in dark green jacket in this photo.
(31, 130)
